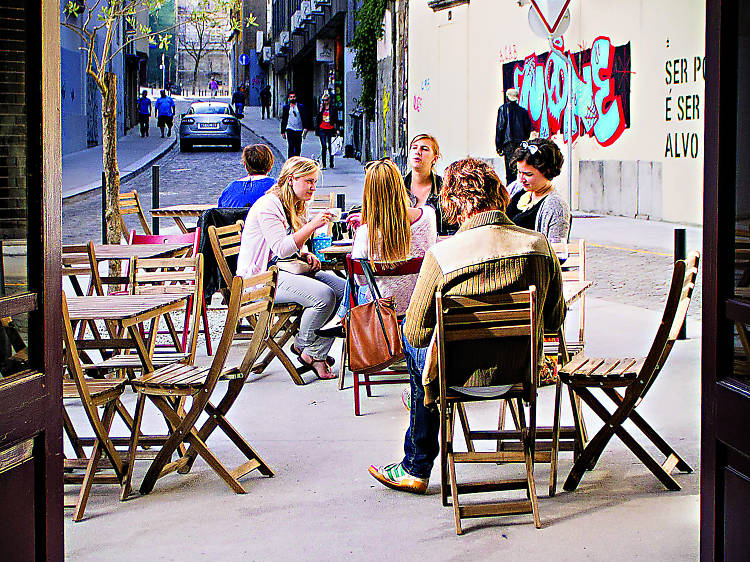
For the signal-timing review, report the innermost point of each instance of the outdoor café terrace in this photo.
(322, 504)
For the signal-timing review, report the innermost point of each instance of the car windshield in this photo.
(210, 109)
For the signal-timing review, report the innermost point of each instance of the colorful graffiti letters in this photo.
(545, 92)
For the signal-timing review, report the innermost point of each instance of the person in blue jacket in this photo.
(144, 112)
(164, 107)
(258, 160)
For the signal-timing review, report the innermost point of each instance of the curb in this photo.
(140, 165)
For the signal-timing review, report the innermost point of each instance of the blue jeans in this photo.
(421, 445)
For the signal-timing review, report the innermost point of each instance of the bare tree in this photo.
(203, 29)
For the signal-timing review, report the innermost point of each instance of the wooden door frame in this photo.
(720, 434)
(38, 399)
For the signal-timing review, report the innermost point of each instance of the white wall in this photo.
(455, 88)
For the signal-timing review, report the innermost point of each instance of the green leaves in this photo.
(368, 31)
(72, 9)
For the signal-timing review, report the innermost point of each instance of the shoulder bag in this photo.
(373, 337)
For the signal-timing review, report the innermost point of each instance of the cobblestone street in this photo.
(192, 177)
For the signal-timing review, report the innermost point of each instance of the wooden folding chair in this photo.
(482, 320)
(178, 276)
(194, 239)
(394, 374)
(76, 262)
(626, 382)
(92, 393)
(225, 242)
(253, 296)
(130, 204)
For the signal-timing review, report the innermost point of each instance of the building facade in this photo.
(637, 97)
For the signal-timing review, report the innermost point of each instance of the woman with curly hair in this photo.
(489, 254)
(277, 227)
(534, 203)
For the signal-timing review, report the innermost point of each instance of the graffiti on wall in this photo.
(684, 79)
(600, 82)
(424, 89)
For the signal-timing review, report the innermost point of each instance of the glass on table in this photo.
(560, 248)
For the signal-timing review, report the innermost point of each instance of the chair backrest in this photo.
(225, 242)
(175, 276)
(186, 238)
(248, 296)
(409, 267)
(574, 269)
(487, 317)
(80, 260)
(130, 204)
(678, 300)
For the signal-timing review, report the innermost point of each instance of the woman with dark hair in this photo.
(489, 254)
(258, 161)
(534, 203)
(326, 125)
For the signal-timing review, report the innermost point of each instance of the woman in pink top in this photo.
(277, 227)
(391, 233)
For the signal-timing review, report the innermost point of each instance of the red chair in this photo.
(191, 238)
(354, 267)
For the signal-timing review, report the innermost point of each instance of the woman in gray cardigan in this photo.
(534, 203)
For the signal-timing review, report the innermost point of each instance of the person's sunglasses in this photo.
(369, 165)
(532, 148)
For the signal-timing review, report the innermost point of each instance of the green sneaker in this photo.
(394, 476)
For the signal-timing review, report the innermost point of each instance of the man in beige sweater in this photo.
(489, 254)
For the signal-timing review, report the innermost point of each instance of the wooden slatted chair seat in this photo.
(174, 379)
(225, 243)
(100, 390)
(635, 376)
(132, 361)
(595, 371)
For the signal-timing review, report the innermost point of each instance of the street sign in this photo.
(244, 59)
(551, 13)
(539, 27)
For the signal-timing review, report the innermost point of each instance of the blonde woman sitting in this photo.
(277, 227)
(391, 233)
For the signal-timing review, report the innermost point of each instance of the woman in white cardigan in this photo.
(276, 228)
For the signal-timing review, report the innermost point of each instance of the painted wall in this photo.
(639, 152)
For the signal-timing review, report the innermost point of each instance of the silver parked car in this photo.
(210, 122)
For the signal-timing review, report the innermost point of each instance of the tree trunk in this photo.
(109, 159)
(195, 75)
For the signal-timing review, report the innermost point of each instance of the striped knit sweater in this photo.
(488, 254)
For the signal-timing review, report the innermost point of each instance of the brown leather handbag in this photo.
(373, 336)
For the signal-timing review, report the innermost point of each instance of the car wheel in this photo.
(185, 146)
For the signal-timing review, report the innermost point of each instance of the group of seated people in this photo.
(502, 244)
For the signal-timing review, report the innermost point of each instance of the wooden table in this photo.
(178, 212)
(127, 311)
(106, 252)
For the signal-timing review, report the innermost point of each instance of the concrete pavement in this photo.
(322, 504)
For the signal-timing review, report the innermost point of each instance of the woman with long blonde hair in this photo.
(391, 233)
(277, 227)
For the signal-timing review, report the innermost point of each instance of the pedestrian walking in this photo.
(326, 126)
(294, 125)
(144, 113)
(513, 127)
(265, 102)
(164, 108)
(238, 100)
(213, 85)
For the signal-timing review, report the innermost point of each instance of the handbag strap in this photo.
(367, 269)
